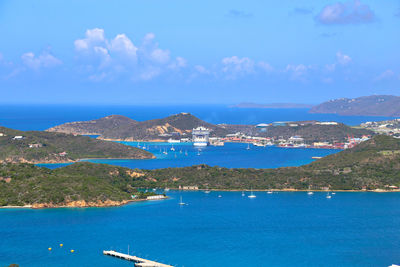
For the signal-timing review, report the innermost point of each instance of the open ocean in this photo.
(280, 229)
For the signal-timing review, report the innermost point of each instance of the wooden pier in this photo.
(139, 262)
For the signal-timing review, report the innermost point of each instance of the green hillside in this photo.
(45, 147)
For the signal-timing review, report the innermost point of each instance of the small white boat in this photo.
(207, 191)
(219, 196)
(269, 192)
(310, 193)
(172, 148)
(166, 189)
(252, 195)
(333, 193)
(181, 202)
(243, 194)
(328, 196)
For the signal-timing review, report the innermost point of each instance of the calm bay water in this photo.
(280, 229)
(232, 155)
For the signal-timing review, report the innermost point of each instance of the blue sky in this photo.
(170, 51)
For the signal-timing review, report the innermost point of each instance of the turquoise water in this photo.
(232, 155)
(280, 229)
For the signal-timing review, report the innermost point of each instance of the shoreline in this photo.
(119, 204)
(291, 190)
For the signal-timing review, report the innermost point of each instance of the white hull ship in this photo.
(200, 136)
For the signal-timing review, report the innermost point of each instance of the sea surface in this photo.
(41, 117)
(232, 155)
(279, 229)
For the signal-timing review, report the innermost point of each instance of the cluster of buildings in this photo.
(201, 137)
(390, 127)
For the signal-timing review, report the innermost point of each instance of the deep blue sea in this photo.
(41, 117)
(280, 229)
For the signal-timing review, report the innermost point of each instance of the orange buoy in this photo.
(49, 249)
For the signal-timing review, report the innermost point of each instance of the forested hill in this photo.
(45, 147)
(375, 105)
(117, 127)
(370, 165)
(374, 164)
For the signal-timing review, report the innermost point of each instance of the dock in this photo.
(139, 262)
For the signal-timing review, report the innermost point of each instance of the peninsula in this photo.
(372, 165)
(375, 105)
(46, 147)
(180, 126)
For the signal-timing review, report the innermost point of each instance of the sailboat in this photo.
(180, 152)
(248, 146)
(328, 195)
(172, 148)
(198, 153)
(186, 153)
(252, 195)
(181, 202)
(243, 194)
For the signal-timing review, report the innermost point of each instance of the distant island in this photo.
(180, 126)
(375, 105)
(372, 165)
(272, 105)
(45, 147)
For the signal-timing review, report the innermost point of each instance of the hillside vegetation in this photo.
(117, 127)
(374, 164)
(375, 105)
(45, 147)
(370, 165)
(81, 184)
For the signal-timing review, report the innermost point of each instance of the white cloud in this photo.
(297, 71)
(92, 37)
(265, 66)
(160, 56)
(123, 45)
(387, 74)
(120, 56)
(178, 63)
(352, 12)
(235, 66)
(44, 60)
(201, 69)
(342, 58)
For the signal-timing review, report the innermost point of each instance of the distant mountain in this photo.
(376, 105)
(272, 105)
(117, 127)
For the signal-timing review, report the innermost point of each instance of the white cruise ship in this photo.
(200, 136)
